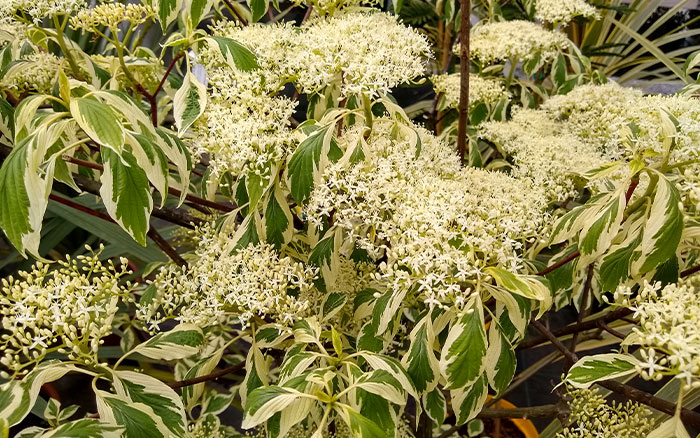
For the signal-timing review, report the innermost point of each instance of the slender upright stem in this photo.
(464, 64)
(64, 47)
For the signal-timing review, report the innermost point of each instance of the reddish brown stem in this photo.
(687, 416)
(152, 233)
(233, 10)
(212, 376)
(171, 190)
(464, 66)
(166, 247)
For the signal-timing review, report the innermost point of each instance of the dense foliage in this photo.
(218, 190)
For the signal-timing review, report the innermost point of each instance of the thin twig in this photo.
(171, 190)
(608, 317)
(611, 330)
(233, 10)
(166, 247)
(152, 233)
(687, 416)
(212, 376)
(582, 314)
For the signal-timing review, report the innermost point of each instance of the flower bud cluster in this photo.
(592, 417)
(67, 308)
(110, 15)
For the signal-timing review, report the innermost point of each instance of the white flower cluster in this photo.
(669, 329)
(621, 120)
(517, 39)
(563, 11)
(437, 226)
(481, 89)
(38, 9)
(363, 53)
(110, 15)
(246, 128)
(543, 150)
(219, 286)
(592, 417)
(36, 72)
(66, 310)
(593, 124)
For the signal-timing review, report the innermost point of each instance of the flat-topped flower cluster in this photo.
(594, 124)
(437, 225)
(246, 124)
(68, 310)
(563, 11)
(515, 40)
(481, 89)
(227, 285)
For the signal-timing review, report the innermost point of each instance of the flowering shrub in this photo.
(272, 212)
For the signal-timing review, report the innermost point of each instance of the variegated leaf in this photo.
(182, 341)
(591, 369)
(189, 102)
(463, 356)
(126, 194)
(467, 402)
(166, 404)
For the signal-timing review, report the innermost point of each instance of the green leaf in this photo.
(165, 402)
(591, 369)
(152, 160)
(360, 426)
(377, 410)
(85, 428)
(332, 304)
(307, 162)
(138, 419)
(126, 194)
(258, 8)
(235, 54)
(559, 71)
(325, 254)
(435, 405)
(25, 190)
(17, 397)
(98, 121)
(383, 384)
(663, 228)
(528, 286)
(263, 403)
(600, 228)
(181, 342)
(204, 366)
(278, 219)
(500, 360)
(468, 402)
(615, 266)
(462, 359)
(189, 102)
(167, 11)
(420, 361)
(7, 122)
(197, 9)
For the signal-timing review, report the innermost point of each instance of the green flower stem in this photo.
(64, 47)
